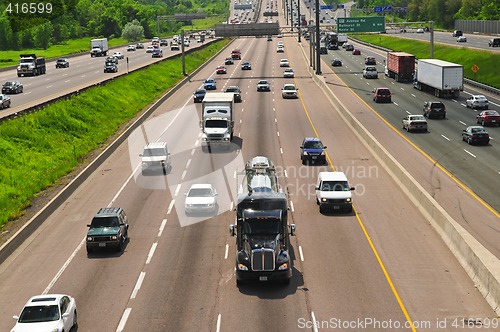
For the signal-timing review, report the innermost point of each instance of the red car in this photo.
(221, 70)
(356, 51)
(488, 118)
(382, 95)
(236, 54)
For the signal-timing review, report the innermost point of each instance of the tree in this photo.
(133, 31)
(41, 36)
(6, 35)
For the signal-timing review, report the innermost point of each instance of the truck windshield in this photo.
(335, 186)
(27, 60)
(154, 152)
(261, 226)
(216, 124)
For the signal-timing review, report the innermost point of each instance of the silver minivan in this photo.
(155, 158)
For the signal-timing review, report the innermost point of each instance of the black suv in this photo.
(457, 33)
(108, 229)
(494, 42)
(434, 109)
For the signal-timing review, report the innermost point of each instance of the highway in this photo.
(383, 264)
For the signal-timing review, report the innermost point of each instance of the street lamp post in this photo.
(318, 55)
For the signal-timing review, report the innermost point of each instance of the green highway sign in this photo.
(361, 24)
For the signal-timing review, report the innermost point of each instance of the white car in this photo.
(119, 55)
(415, 122)
(289, 91)
(263, 85)
(280, 49)
(477, 101)
(201, 199)
(280, 43)
(462, 39)
(131, 48)
(284, 63)
(51, 312)
(370, 72)
(288, 73)
(149, 49)
(420, 30)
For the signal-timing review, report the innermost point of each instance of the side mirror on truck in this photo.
(232, 232)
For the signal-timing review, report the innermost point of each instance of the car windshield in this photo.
(8, 84)
(261, 226)
(417, 117)
(263, 82)
(158, 152)
(371, 69)
(36, 314)
(491, 113)
(105, 222)
(232, 90)
(200, 192)
(289, 87)
(313, 145)
(335, 186)
(199, 92)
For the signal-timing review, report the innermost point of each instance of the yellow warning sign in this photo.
(475, 68)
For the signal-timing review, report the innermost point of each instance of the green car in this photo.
(109, 229)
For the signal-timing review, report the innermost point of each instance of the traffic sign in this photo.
(381, 9)
(326, 7)
(378, 9)
(361, 24)
(475, 68)
(340, 6)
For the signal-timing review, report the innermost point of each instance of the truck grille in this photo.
(263, 259)
(216, 136)
(102, 238)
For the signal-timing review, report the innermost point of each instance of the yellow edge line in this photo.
(365, 232)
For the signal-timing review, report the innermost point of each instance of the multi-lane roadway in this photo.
(373, 270)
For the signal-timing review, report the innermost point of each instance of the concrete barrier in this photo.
(480, 264)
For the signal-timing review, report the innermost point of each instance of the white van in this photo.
(333, 192)
(155, 158)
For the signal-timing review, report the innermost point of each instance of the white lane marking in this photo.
(408, 112)
(275, 120)
(278, 133)
(123, 320)
(218, 323)
(234, 175)
(188, 163)
(183, 174)
(170, 206)
(281, 150)
(138, 285)
(193, 151)
(446, 138)
(301, 254)
(231, 206)
(177, 190)
(461, 122)
(196, 144)
(291, 206)
(470, 153)
(65, 265)
(151, 252)
(286, 173)
(315, 325)
(227, 250)
(413, 95)
(162, 227)
(395, 103)
(402, 89)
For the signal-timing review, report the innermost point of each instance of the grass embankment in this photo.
(485, 60)
(39, 148)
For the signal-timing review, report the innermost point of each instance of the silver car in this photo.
(477, 101)
(201, 199)
(288, 73)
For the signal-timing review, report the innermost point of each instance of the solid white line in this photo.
(227, 250)
(218, 324)
(446, 138)
(231, 206)
(470, 153)
(291, 206)
(123, 320)
(315, 326)
(162, 226)
(177, 190)
(301, 254)
(138, 285)
(170, 206)
(65, 265)
(151, 252)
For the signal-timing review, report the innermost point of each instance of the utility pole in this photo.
(318, 56)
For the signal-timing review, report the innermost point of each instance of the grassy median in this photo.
(39, 149)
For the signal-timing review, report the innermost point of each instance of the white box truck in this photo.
(99, 47)
(217, 120)
(445, 79)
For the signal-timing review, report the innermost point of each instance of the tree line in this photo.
(23, 27)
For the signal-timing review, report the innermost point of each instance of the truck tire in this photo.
(35, 72)
(396, 77)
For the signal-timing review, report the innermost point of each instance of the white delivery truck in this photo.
(217, 120)
(445, 79)
(99, 47)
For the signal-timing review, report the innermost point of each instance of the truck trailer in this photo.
(400, 66)
(32, 65)
(445, 79)
(217, 120)
(99, 47)
(261, 229)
